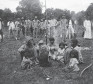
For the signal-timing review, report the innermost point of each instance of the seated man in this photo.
(42, 54)
(27, 52)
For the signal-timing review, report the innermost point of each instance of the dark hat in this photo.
(51, 39)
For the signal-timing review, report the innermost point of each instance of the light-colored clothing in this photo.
(35, 26)
(0, 25)
(62, 29)
(87, 25)
(60, 54)
(70, 31)
(79, 52)
(67, 54)
(26, 62)
(74, 64)
(12, 26)
(35, 23)
(53, 50)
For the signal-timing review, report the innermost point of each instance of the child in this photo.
(27, 52)
(73, 64)
(71, 46)
(61, 51)
(74, 44)
(52, 48)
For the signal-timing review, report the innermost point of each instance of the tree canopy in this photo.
(89, 12)
(29, 8)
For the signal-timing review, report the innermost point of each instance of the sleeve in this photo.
(22, 48)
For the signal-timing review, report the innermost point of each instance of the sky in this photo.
(72, 5)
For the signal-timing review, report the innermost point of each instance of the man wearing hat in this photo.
(42, 54)
(1, 32)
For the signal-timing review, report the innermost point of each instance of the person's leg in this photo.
(1, 35)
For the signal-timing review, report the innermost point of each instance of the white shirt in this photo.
(0, 25)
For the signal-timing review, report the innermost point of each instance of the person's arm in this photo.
(22, 48)
(80, 55)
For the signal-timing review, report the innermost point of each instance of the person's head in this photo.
(62, 45)
(35, 17)
(74, 54)
(41, 20)
(29, 41)
(41, 42)
(74, 42)
(51, 39)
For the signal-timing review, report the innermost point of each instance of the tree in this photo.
(80, 16)
(1, 13)
(29, 8)
(89, 12)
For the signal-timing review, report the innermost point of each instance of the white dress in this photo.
(70, 31)
(87, 25)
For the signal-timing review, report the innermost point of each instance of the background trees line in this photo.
(31, 8)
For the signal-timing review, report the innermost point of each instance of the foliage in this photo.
(89, 12)
(80, 16)
(29, 8)
(57, 13)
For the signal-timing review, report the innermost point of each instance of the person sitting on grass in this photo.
(52, 48)
(73, 64)
(60, 53)
(73, 45)
(28, 54)
(42, 54)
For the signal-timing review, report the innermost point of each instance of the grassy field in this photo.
(11, 73)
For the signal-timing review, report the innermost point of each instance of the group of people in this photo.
(68, 54)
(62, 29)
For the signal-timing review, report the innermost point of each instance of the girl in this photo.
(73, 64)
(61, 51)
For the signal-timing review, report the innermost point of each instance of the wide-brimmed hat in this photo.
(35, 17)
(41, 42)
(28, 38)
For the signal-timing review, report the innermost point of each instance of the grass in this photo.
(11, 73)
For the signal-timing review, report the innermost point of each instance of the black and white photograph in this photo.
(46, 41)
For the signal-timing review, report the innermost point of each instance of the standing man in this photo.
(18, 28)
(63, 28)
(1, 32)
(35, 27)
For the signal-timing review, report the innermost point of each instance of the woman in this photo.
(87, 25)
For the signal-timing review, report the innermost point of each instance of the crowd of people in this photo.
(68, 54)
(62, 29)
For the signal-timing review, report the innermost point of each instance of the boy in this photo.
(52, 48)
